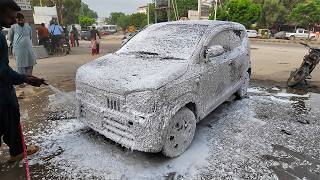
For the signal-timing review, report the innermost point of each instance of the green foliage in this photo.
(306, 14)
(138, 20)
(245, 12)
(272, 13)
(85, 21)
(114, 16)
(124, 22)
(185, 5)
(87, 12)
(71, 11)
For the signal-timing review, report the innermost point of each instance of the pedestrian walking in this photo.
(95, 36)
(75, 33)
(9, 107)
(72, 41)
(20, 36)
(43, 34)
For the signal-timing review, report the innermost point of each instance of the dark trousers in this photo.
(10, 128)
(98, 48)
(76, 40)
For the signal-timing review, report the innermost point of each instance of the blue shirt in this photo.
(55, 30)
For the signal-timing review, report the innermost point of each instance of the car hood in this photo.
(123, 74)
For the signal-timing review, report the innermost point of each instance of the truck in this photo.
(299, 34)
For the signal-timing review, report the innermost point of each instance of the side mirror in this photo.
(213, 51)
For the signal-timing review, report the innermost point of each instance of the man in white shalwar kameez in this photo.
(21, 38)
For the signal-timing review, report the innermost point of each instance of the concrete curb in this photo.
(284, 41)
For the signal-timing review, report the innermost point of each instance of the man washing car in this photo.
(9, 107)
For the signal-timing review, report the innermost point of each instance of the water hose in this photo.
(25, 154)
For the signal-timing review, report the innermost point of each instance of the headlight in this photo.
(144, 102)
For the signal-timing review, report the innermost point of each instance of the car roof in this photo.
(202, 22)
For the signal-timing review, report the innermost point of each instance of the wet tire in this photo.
(298, 76)
(180, 133)
(242, 92)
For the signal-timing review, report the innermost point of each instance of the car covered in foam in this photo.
(150, 94)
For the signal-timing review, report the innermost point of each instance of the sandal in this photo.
(31, 149)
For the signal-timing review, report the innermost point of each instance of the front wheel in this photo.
(180, 133)
(298, 76)
(292, 38)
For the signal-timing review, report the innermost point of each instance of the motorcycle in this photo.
(61, 45)
(310, 61)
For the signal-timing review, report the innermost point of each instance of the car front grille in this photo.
(100, 97)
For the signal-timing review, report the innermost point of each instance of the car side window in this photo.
(228, 39)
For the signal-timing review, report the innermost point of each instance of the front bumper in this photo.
(136, 132)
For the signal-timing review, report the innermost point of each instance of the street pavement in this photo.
(271, 134)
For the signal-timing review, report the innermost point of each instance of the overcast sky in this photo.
(105, 7)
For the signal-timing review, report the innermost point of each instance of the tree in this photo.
(71, 11)
(306, 14)
(272, 13)
(124, 22)
(114, 16)
(85, 21)
(138, 20)
(245, 12)
(87, 12)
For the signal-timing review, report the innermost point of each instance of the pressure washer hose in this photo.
(25, 154)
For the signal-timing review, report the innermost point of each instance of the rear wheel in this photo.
(180, 133)
(298, 76)
(242, 92)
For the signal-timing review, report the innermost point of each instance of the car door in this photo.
(215, 77)
(238, 56)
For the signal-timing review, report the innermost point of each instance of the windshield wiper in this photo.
(172, 58)
(146, 53)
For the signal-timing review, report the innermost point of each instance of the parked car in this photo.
(85, 35)
(108, 29)
(299, 34)
(252, 33)
(280, 35)
(264, 34)
(150, 94)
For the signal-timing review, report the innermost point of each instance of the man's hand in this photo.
(34, 81)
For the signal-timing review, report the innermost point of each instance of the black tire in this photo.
(180, 133)
(298, 76)
(292, 38)
(242, 92)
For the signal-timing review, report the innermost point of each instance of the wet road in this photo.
(272, 134)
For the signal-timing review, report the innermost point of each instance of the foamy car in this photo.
(150, 94)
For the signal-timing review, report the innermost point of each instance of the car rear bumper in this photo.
(134, 132)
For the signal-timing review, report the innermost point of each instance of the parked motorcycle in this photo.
(310, 61)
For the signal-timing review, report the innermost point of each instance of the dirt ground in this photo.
(274, 138)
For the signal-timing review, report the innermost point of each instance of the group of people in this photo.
(54, 35)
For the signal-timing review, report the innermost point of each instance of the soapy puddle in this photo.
(260, 137)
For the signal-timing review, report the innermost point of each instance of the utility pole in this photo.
(148, 15)
(215, 9)
(168, 10)
(199, 8)
(41, 3)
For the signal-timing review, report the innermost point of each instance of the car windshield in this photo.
(169, 41)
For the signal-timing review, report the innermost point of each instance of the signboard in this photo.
(24, 4)
(162, 3)
(205, 7)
